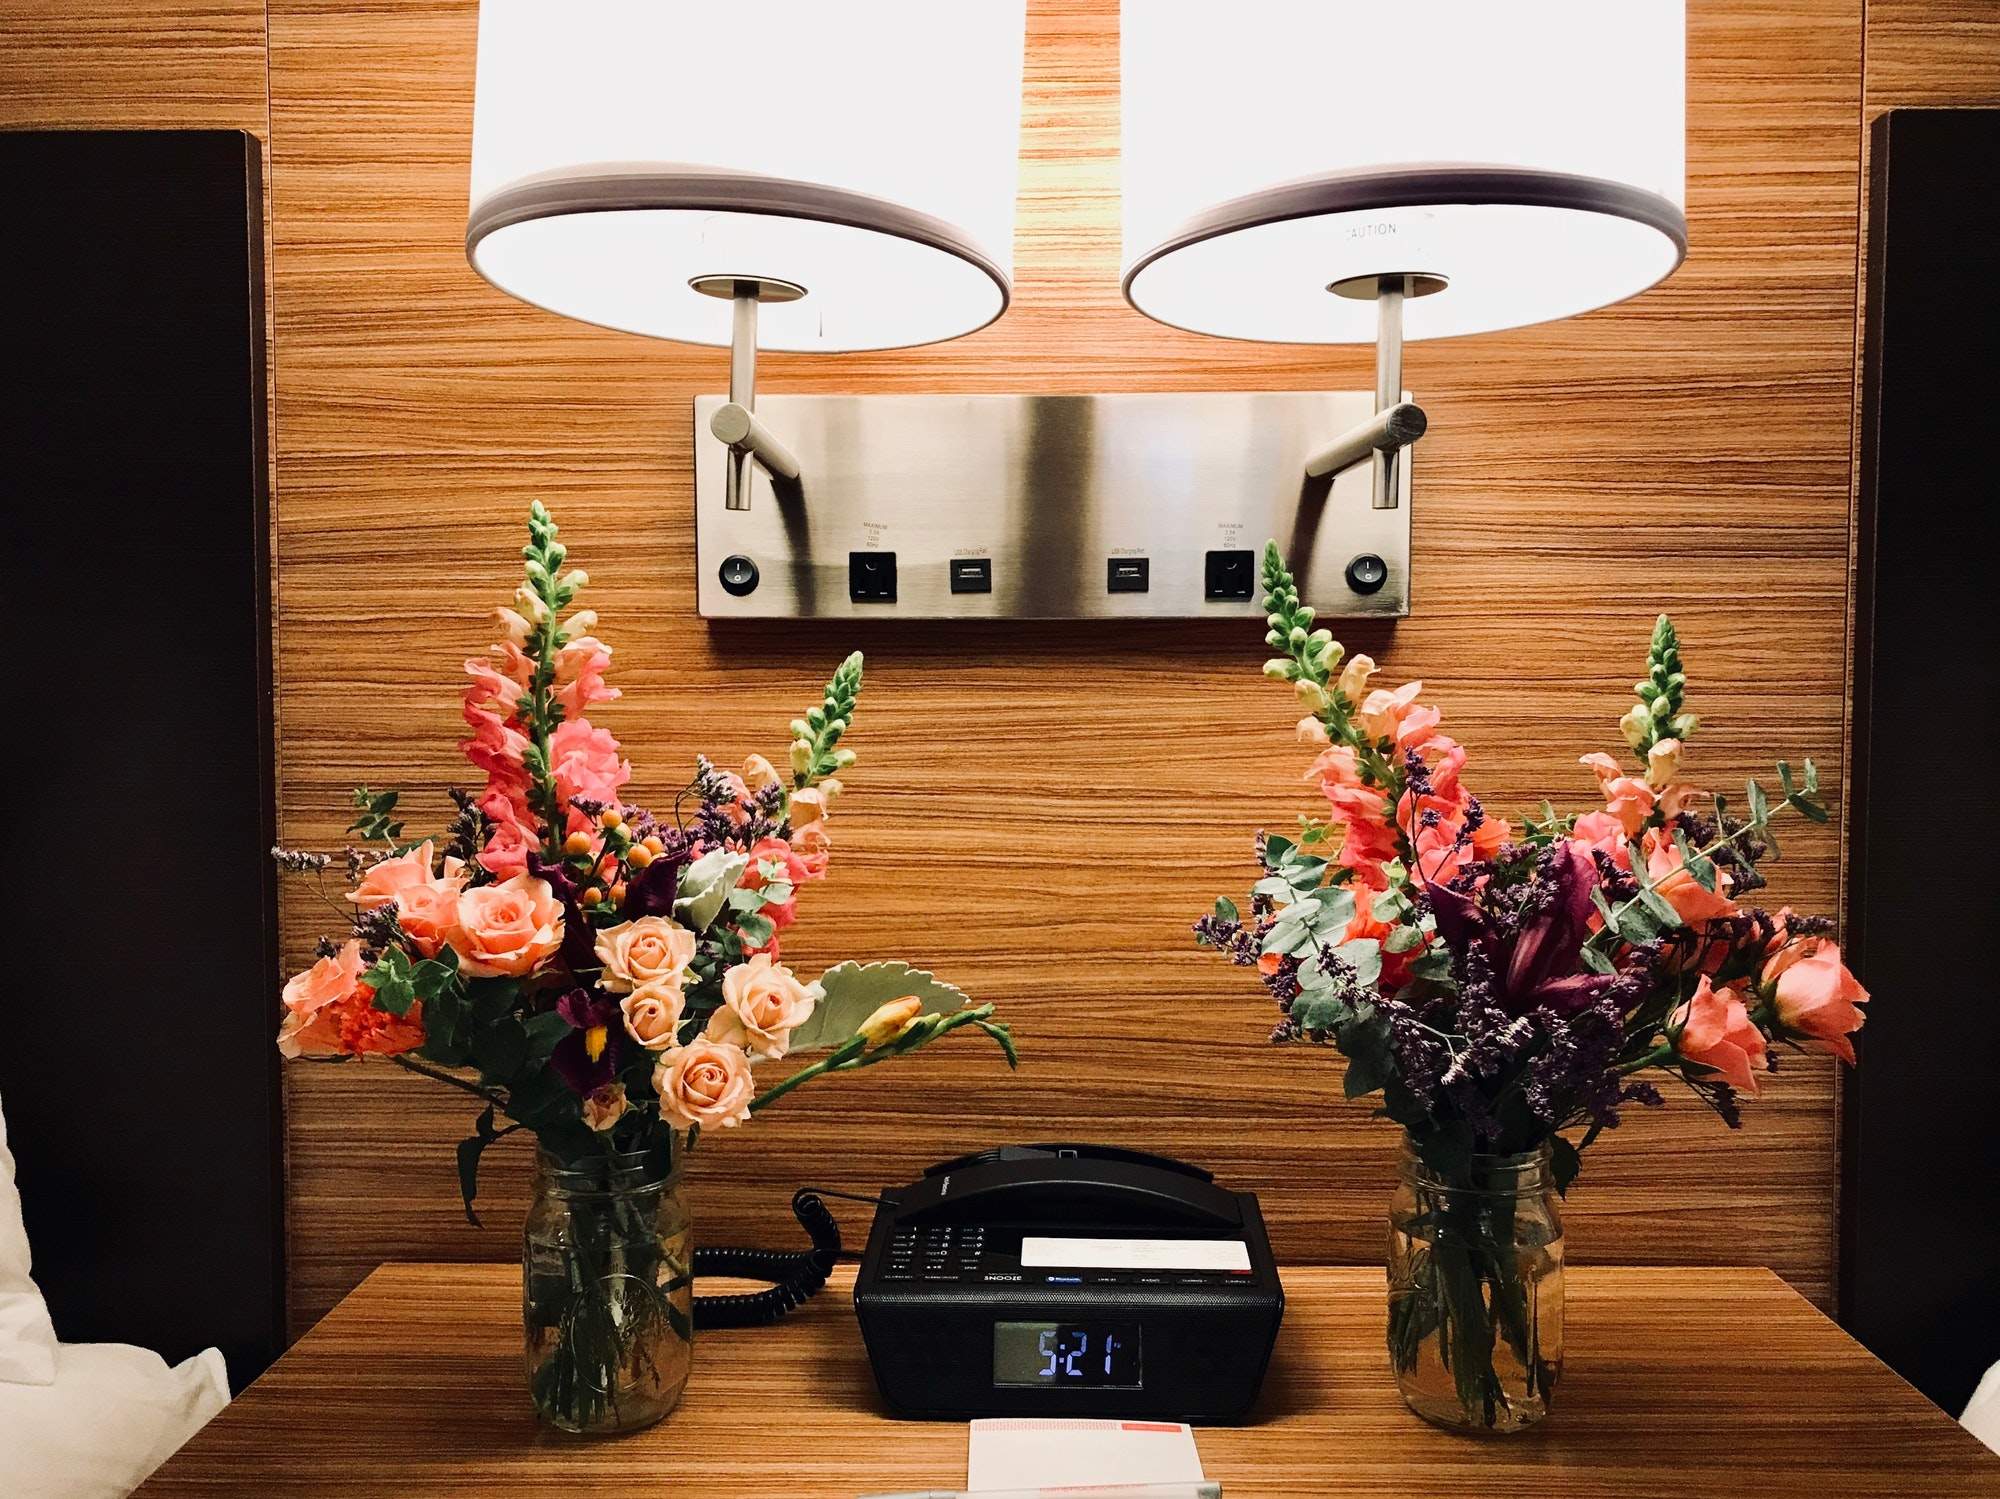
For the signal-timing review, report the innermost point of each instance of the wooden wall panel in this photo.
(1039, 811)
(132, 64)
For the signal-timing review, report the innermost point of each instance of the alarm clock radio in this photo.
(1076, 1280)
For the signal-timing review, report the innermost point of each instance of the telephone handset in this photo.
(1102, 1184)
(1106, 1185)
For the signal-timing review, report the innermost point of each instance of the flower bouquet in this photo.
(1500, 988)
(603, 978)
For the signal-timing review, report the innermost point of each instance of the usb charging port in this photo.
(1127, 575)
(971, 575)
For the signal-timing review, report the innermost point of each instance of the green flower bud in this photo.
(1280, 670)
(1274, 640)
(1297, 637)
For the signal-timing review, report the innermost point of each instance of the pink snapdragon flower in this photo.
(584, 761)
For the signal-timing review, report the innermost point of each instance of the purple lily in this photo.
(1533, 950)
(587, 1058)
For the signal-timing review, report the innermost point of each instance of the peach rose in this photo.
(308, 1029)
(1694, 902)
(653, 1013)
(605, 1106)
(1816, 998)
(330, 1012)
(1716, 1032)
(506, 930)
(386, 880)
(427, 913)
(762, 1004)
(706, 1083)
(652, 949)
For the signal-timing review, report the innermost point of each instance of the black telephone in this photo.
(1068, 1279)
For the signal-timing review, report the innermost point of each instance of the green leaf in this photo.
(705, 885)
(390, 978)
(756, 930)
(851, 992)
(430, 976)
(1318, 1010)
(1403, 939)
(1785, 777)
(469, 1151)
(1225, 909)
(1364, 955)
(1760, 805)
(543, 1032)
(1434, 965)
(1564, 1163)
(1275, 849)
(1596, 961)
(1812, 777)
(1660, 909)
(1811, 810)
(501, 1050)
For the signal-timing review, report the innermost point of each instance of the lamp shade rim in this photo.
(1420, 185)
(703, 189)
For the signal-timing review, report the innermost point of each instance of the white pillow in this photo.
(1982, 1411)
(27, 1340)
(113, 1415)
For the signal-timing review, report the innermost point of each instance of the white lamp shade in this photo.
(866, 151)
(1531, 154)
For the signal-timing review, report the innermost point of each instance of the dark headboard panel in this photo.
(1920, 1260)
(136, 1064)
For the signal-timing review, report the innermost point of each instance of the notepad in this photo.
(1030, 1452)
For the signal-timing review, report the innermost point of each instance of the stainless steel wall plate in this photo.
(1080, 507)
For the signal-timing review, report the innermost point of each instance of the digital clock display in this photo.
(1082, 1355)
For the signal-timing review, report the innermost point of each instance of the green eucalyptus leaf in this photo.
(851, 992)
(1225, 909)
(1364, 956)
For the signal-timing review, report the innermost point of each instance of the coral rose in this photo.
(653, 1013)
(506, 930)
(706, 1083)
(1692, 901)
(762, 1004)
(649, 950)
(1817, 1000)
(1716, 1032)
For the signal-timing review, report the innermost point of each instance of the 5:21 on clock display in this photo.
(1099, 1355)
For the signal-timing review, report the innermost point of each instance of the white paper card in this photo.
(1134, 1254)
(1031, 1452)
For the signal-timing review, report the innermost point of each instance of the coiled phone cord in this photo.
(796, 1276)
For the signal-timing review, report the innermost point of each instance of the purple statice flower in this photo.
(1528, 935)
(1230, 938)
(587, 1058)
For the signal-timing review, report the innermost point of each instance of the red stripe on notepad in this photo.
(1149, 1426)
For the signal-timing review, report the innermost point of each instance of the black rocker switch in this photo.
(1367, 573)
(972, 575)
(1126, 574)
(871, 577)
(1229, 575)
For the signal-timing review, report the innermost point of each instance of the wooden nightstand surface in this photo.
(1695, 1381)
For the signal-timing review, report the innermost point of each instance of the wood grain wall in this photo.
(1039, 810)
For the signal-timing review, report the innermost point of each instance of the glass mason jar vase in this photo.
(1476, 1291)
(607, 1291)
